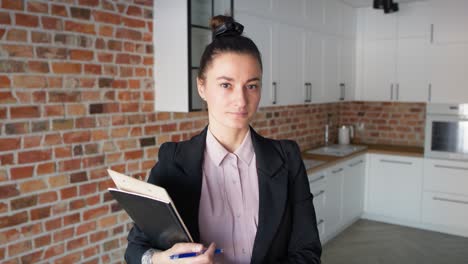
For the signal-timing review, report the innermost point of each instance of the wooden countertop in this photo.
(409, 151)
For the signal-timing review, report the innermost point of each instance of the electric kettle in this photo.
(345, 133)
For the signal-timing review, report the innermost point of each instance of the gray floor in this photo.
(369, 242)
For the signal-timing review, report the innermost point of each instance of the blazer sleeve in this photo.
(138, 242)
(304, 245)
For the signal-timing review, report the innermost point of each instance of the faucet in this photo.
(327, 129)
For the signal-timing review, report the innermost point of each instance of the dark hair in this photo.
(227, 37)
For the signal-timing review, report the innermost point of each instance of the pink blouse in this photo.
(228, 213)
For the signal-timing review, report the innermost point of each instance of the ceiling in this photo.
(367, 3)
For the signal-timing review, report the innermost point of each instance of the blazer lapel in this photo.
(189, 160)
(272, 182)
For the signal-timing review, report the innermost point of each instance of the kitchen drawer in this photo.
(446, 176)
(321, 228)
(317, 178)
(445, 209)
(319, 200)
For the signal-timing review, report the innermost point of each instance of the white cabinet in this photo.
(317, 188)
(394, 187)
(333, 200)
(261, 32)
(449, 73)
(257, 7)
(347, 68)
(315, 13)
(353, 188)
(333, 17)
(312, 67)
(449, 20)
(446, 176)
(331, 65)
(349, 21)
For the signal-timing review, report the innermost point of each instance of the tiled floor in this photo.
(369, 242)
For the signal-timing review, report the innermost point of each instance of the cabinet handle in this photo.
(318, 194)
(397, 91)
(391, 91)
(273, 100)
(338, 170)
(450, 167)
(307, 92)
(356, 163)
(342, 91)
(396, 161)
(310, 92)
(429, 93)
(320, 222)
(318, 179)
(449, 200)
(432, 33)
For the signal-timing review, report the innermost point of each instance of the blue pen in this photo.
(193, 254)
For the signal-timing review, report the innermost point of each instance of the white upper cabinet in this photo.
(312, 69)
(289, 11)
(450, 20)
(331, 65)
(378, 25)
(413, 20)
(347, 68)
(449, 73)
(259, 7)
(315, 13)
(261, 32)
(287, 64)
(333, 17)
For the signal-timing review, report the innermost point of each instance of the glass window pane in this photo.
(222, 7)
(201, 12)
(200, 38)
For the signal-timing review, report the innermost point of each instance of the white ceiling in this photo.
(367, 3)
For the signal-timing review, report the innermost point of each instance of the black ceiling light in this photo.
(387, 5)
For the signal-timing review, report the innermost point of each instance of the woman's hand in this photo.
(163, 257)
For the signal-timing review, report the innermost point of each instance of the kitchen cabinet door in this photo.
(449, 73)
(450, 20)
(287, 64)
(349, 21)
(413, 20)
(347, 68)
(333, 17)
(291, 11)
(395, 186)
(331, 67)
(379, 25)
(412, 70)
(313, 67)
(333, 202)
(261, 32)
(379, 70)
(353, 188)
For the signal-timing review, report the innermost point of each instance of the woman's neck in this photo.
(230, 138)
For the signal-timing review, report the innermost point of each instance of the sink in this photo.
(312, 163)
(337, 150)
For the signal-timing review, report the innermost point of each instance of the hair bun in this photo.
(225, 26)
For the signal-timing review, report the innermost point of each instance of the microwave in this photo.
(446, 130)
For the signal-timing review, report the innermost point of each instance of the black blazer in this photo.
(287, 228)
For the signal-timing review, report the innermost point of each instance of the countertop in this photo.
(371, 148)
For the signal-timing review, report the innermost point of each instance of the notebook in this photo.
(152, 210)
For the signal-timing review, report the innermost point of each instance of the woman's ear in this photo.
(201, 88)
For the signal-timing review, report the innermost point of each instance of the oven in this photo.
(446, 134)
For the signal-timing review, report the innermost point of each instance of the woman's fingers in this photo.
(186, 248)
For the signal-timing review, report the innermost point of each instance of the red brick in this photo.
(4, 82)
(77, 243)
(52, 23)
(19, 248)
(57, 97)
(106, 31)
(17, 128)
(13, 4)
(29, 81)
(62, 152)
(5, 20)
(95, 213)
(7, 159)
(13, 220)
(21, 172)
(62, 235)
(18, 51)
(82, 55)
(66, 68)
(24, 202)
(70, 165)
(9, 144)
(134, 11)
(129, 34)
(89, 2)
(76, 137)
(80, 27)
(106, 17)
(32, 185)
(46, 168)
(71, 219)
(26, 20)
(69, 192)
(47, 197)
(55, 250)
(38, 7)
(25, 112)
(17, 35)
(38, 66)
(59, 10)
(70, 258)
(105, 57)
(34, 156)
(95, 69)
(41, 241)
(133, 23)
(51, 53)
(76, 109)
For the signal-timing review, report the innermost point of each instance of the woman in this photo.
(248, 194)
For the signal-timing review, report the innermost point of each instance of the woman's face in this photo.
(232, 89)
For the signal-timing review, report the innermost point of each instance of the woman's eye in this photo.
(225, 85)
(252, 86)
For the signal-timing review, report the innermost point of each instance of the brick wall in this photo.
(76, 97)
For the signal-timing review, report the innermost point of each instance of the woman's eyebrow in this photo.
(225, 78)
